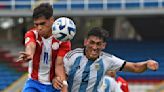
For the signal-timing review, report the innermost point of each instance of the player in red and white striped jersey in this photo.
(43, 52)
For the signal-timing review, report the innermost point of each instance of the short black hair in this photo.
(99, 32)
(43, 10)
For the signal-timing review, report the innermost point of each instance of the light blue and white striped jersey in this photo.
(109, 84)
(86, 75)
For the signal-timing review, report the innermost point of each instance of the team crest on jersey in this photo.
(55, 46)
(97, 66)
(27, 39)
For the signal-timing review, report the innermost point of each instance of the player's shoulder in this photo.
(108, 55)
(31, 31)
(77, 51)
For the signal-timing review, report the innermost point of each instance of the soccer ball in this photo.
(63, 29)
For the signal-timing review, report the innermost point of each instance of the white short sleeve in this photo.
(116, 63)
(67, 64)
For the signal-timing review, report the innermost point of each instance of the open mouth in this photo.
(94, 52)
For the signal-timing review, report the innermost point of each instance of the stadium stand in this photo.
(10, 70)
(8, 75)
(23, 4)
(137, 51)
(90, 4)
(128, 50)
(82, 7)
(16, 85)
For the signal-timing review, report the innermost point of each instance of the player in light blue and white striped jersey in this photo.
(85, 75)
(87, 66)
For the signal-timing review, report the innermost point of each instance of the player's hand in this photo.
(24, 57)
(57, 83)
(153, 65)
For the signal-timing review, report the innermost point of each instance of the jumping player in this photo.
(85, 67)
(44, 53)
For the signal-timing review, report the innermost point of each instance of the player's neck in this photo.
(49, 34)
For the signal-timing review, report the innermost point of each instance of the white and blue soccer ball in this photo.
(63, 29)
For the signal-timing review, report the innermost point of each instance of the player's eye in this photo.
(42, 23)
(92, 42)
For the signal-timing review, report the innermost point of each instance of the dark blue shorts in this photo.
(35, 86)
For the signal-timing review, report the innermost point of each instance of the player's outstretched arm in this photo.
(28, 53)
(141, 66)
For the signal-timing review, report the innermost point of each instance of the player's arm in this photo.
(60, 79)
(60, 73)
(30, 47)
(141, 66)
(30, 50)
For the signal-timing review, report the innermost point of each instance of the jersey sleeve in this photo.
(117, 63)
(67, 63)
(64, 48)
(29, 37)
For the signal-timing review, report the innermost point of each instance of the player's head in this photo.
(95, 42)
(43, 10)
(43, 18)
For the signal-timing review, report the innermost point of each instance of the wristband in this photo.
(65, 83)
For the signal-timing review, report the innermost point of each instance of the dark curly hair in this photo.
(99, 32)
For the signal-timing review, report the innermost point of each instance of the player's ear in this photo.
(52, 19)
(85, 42)
(104, 45)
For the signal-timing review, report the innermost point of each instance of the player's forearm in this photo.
(140, 67)
(27, 55)
(64, 89)
(60, 71)
(59, 68)
(135, 67)
(30, 48)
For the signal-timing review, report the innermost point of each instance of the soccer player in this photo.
(85, 67)
(44, 53)
(122, 82)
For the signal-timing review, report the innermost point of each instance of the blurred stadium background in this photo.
(136, 30)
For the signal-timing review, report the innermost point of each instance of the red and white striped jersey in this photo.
(42, 67)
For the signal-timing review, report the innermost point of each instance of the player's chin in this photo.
(41, 33)
(93, 56)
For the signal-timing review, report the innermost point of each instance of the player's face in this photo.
(94, 45)
(43, 26)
